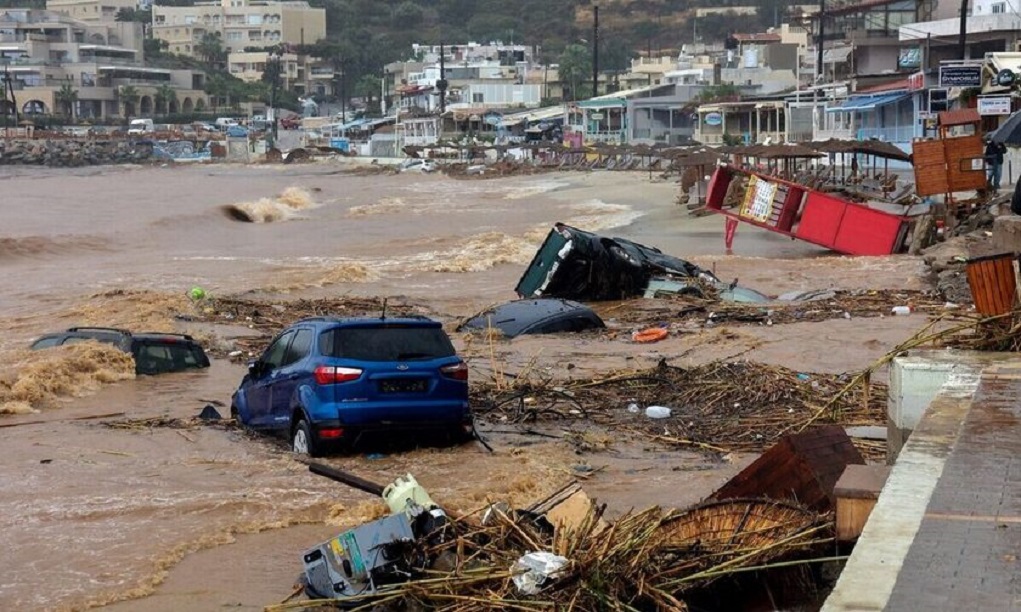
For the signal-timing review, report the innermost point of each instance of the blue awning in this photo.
(867, 103)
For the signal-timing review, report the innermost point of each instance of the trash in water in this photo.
(533, 570)
(197, 293)
(657, 412)
(633, 408)
(209, 413)
(652, 334)
(901, 310)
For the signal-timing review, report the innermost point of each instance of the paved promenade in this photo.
(946, 531)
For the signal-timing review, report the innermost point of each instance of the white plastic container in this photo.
(404, 489)
(901, 310)
(657, 412)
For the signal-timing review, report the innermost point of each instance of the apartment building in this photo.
(103, 11)
(42, 51)
(302, 74)
(241, 24)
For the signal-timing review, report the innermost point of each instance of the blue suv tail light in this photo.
(331, 375)
(457, 371)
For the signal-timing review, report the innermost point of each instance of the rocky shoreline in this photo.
(73, 153)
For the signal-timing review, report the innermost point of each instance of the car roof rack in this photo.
(99, 329)
(319, 318)
(156, 333)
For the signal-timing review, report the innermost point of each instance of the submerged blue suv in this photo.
(326, 380)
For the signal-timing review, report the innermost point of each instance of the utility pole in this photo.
(963, 40)
(273, 93)
(343, 95)
(595, 52)
(820, 72)
(441, 84)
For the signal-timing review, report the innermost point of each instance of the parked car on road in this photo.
(154, 352)
(325, 381)
(139, 127)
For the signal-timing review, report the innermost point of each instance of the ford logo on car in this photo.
(402, 366)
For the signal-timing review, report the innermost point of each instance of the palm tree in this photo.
(165, 94)
(129, 96)
(66, 97)
(210, 49)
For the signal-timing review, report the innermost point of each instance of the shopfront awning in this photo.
(867, 103)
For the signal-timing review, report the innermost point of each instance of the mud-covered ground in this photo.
(112, 494)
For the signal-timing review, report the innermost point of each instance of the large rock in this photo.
(71, 153)
(1007, 234)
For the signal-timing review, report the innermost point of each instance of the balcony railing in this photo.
(903, 133)
(609, 136)
(835, 133)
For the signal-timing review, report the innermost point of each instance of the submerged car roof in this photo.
(407, 321)
(515, 318)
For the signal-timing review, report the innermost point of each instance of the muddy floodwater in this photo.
(102, 504)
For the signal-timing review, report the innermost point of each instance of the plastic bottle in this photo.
(901, 310)
(657, 412)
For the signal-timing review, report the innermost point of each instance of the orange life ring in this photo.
(652, 334)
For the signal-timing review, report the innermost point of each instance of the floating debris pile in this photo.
(562, 553)
(719, 407)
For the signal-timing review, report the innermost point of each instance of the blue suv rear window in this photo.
(386, 343)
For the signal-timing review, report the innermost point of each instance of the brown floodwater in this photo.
(207, 516)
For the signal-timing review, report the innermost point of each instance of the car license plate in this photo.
(403, 385)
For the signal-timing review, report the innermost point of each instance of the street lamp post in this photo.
(274, 60)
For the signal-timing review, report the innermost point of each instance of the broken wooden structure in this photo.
(803, 213)
(802, 467)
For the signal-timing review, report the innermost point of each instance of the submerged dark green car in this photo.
(154, 352)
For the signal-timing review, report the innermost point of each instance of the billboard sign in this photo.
(960, 76)
(994, 105)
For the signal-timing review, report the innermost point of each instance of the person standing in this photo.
(994, 162)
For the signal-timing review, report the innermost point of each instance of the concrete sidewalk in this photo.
(946, 531)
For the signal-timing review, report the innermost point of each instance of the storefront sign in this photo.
(994, 105)
(1005, 78)
(938, 101)
(713, 118)
(960, 76)
(758, 200)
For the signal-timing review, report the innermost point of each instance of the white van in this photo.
(137, 127)
(222, 123)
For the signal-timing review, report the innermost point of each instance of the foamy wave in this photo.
(282, 208)
(62, 372)
(477, 254)
(138, 310)
(597, 215)
(537, 188)
(42, 246)
(382, 207)
(319, 277)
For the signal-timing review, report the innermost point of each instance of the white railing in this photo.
(903, 133)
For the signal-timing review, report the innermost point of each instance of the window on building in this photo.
(190, 19)
(254, 20)
(254, 35)
(234, 36)
(478, 98)
(999, 8)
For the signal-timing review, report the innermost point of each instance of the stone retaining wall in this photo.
(60, 153)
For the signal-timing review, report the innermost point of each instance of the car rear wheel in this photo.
(302, 440)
